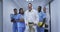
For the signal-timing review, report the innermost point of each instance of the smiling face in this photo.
(39, 8)
(21, 11)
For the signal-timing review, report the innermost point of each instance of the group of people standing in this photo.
(30, 18)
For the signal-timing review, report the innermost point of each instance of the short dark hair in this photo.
(20, 10)
(14, 9)
(30, 3)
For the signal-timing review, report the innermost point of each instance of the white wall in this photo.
(1, 22)
(47, 13)
(55, 16)
(8, 6)
(47, 17)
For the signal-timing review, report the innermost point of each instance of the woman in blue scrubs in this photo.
(21, 23)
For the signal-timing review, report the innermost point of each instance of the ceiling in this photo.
(24, 3)
(0, 0)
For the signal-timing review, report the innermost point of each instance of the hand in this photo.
(22, 20)
(35, 24)
(26, 24)
(41, 26)
(12, 20)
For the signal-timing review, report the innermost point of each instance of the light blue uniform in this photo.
(42, 15)
(14, 23)
(21, 25)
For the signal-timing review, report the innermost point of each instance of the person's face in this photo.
(39, 9)
(15, 11)
(21, 11)
(30, 6)
(44, 9)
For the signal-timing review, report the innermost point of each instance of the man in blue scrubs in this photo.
(42, 18)
(13, 20)
(21, 23)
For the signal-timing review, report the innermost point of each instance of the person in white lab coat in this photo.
(31, 18)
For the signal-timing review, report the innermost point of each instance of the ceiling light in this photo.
(29, 0)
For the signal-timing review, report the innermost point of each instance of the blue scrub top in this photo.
(42, 15)
(14, 17)
(20, 24)
(17, 17)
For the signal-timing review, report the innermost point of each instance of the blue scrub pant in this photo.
(40, 29)
(21, 29)
(14, 27)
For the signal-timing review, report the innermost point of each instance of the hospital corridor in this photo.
(29, 15)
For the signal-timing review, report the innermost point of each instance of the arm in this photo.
(44, 19)
(12, 19)
(25, 18)
(43, 22)
(37, 17)
(21, 20)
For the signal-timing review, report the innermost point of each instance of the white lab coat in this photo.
(31, 16)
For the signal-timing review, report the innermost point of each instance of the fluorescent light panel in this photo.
(29, 0)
